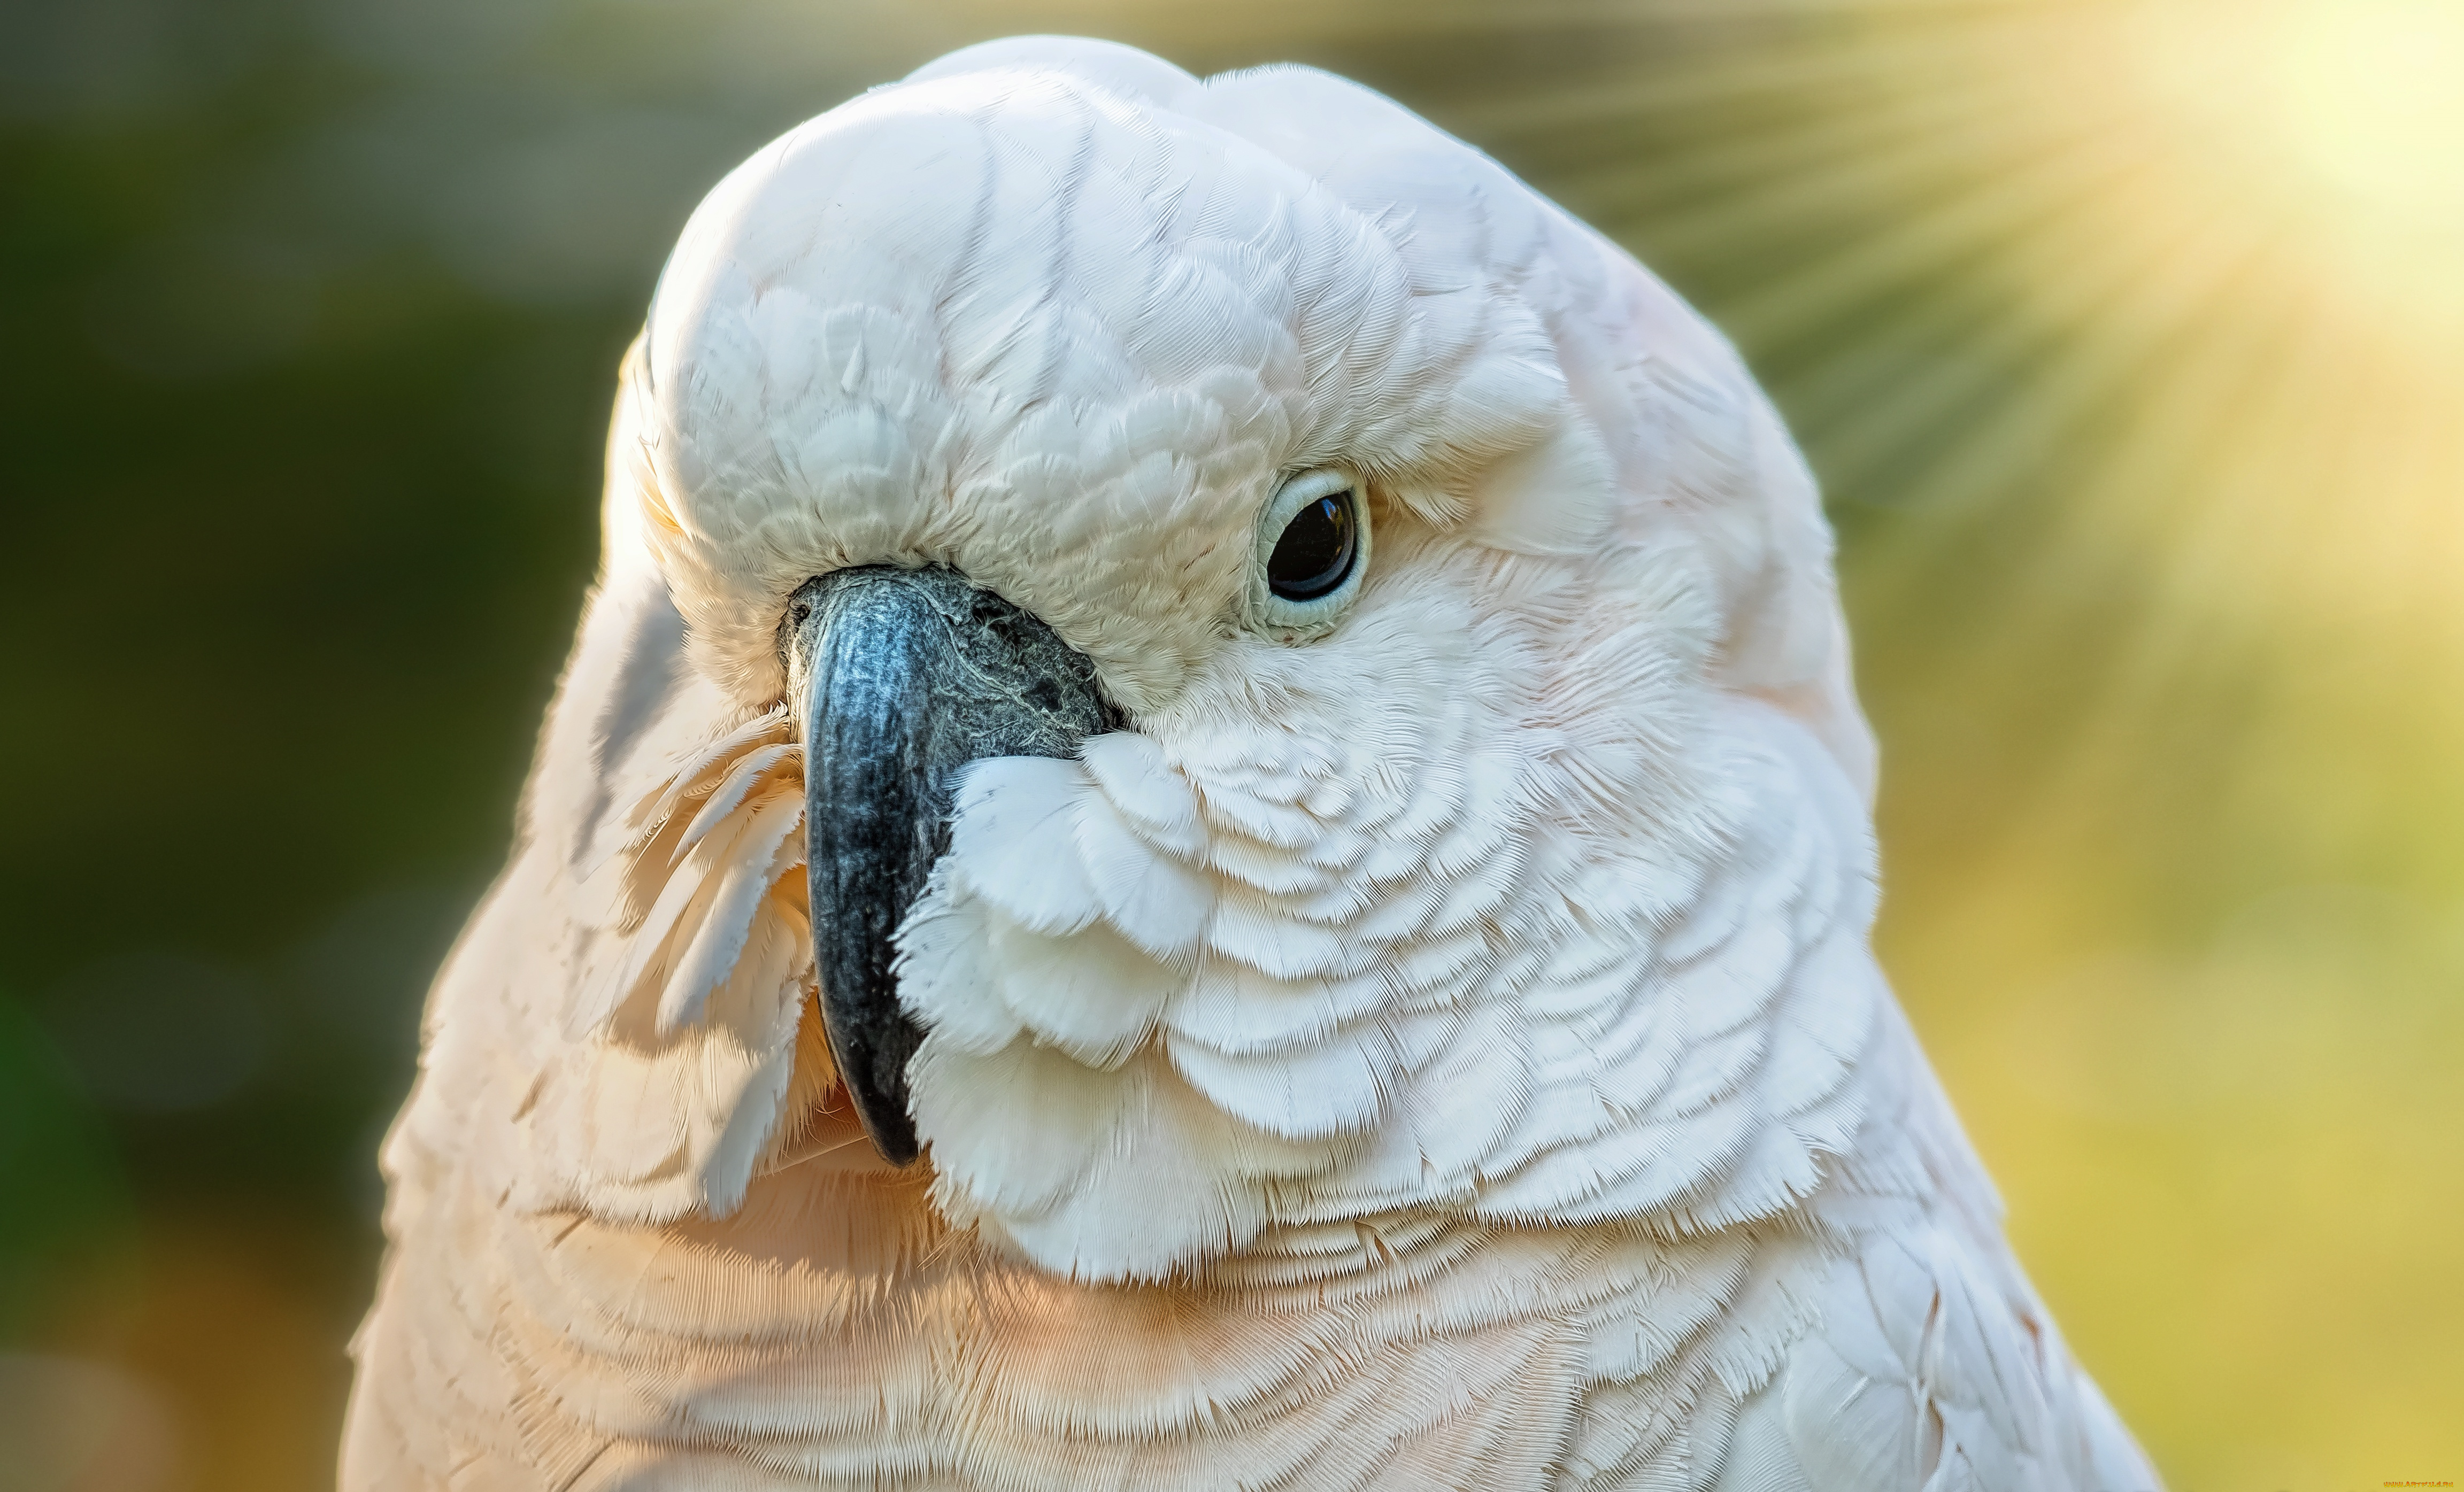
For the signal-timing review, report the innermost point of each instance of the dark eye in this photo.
(1316, 550)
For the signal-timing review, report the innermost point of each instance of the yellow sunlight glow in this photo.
(2371, 96)
(2341, 120)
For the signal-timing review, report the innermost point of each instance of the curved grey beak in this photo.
(896, 679)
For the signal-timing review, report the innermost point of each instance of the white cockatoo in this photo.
(1208, 830)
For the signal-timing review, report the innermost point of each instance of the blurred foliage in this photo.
(2123, 334)
(66, 1195)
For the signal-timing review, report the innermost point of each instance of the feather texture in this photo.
(1444, 1052)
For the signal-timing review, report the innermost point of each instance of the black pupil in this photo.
(1314, 553)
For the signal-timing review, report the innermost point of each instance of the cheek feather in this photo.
(1134, 779)
(1338, 966)
(1150, 895)
(1092, 996)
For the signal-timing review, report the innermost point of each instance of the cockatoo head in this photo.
(1212, 622)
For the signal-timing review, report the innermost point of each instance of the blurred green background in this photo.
(2127, 339)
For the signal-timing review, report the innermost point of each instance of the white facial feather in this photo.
(1064, 338)
(885, 339)
(1446, 1047)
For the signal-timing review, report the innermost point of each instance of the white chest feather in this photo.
(833, 1335)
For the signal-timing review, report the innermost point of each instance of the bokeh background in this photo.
(2128, 338)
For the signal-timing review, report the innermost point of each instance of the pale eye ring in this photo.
(1313, 549)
